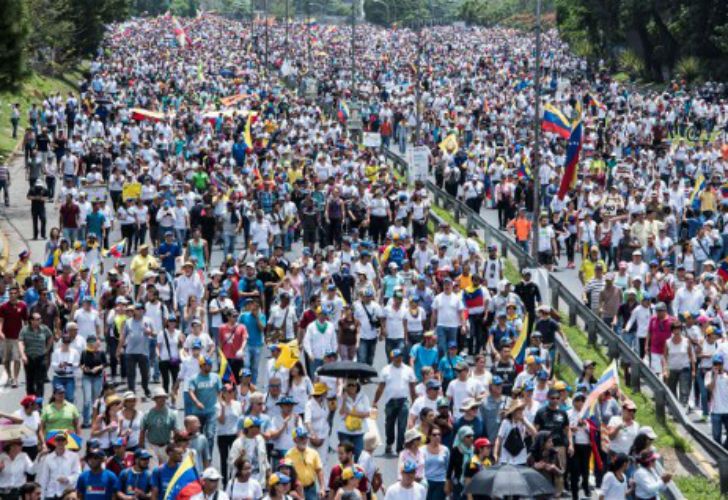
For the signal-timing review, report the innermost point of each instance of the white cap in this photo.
(212, 474)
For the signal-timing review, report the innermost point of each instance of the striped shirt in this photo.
(35, 340)
(4, 173)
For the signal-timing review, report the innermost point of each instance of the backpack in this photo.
(666, 293)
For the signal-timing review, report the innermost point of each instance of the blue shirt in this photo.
(93, 486)
(423, 356)
(255, 335)
(174, 251)
(95, 223)
(161, 476)
(130, 481)
(447, 366)
(206, 389)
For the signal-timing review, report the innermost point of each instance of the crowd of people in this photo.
(212, 213)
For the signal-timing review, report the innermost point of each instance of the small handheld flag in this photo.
(572, 156)
(555, 121)
(184, 483)
(225, 372)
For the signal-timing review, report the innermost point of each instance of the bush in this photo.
(688, 68)
(631, 63)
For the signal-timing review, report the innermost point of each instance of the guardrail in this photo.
(593, 324)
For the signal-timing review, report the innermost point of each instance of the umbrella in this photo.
(13, 432)
(509, 480)
(347, 369)
(73, 443)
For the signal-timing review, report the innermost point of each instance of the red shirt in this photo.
(335, 483)
(69, 216)
(659, 333)
(13, 317)
(231, 339)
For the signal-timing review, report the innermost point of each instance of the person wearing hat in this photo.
(282, 424)
(307, 464)
(59, 469)
(424, 354)
(462, 388)
(103, 482)
(369, 314)
(448, 363)
(316, 420)
(255, 322)
(141, 263)
(38, 196)
(168, 251)
(398, 385)
(635, 329)
(250, 444)
(283, 320)
(578, 463)
(13, 313)
(279, 485)
(622, 430)
(351, 417)
(679, 363)
(211, 485)
(407, 486)
(510, 443)
(553, 419)
(648, 482)
(15, 465)
(137, 478)
(158, 426)
(119, 458)
(65, 360)
(134, 345)
(320, 337)
(204, 391)
(593, 288)
(659, 329)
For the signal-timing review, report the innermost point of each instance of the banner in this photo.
(97, 193)
(372, 140)
(131, 190)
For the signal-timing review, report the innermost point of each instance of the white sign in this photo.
(418, 161)
(372, 140)
(96, 192)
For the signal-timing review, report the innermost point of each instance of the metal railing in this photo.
(596, 329)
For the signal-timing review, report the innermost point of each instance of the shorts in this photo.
(9, 349)
(545, 258)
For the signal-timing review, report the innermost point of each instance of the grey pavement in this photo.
(16, 224)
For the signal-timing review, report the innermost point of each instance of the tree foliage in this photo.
(661, 33)
(13, 37)
(407, 12)
(506, 12)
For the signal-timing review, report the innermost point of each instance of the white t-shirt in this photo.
(545, 235)
(448, 309)
(395, 321)
(232, 414)
(612, 488)
(398, 492)
(458, 391)
(397, 381)
(624, 439)
(249, 490)
(32, 422)
(87, 321)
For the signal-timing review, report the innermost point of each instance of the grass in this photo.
(698, 488)
(32, 91)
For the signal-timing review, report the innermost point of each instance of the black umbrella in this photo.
(509, 480)
(347, 369)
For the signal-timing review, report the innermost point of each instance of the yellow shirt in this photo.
(587, 268)
(465, 282)
(139, 266)
(707, 201)
(22, 271)
(306, 464)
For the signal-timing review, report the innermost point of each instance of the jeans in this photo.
(702, 390)
(35, 373)
(208, 426)
(91, 391)
(396, 412)
(357, 440)
(132, 361)
(392, 344)
(229, 241)
(252, 360)
(681, 377)
(445, 335)
(435, 490)
(367, 348)
(154, 359)
(69, 384)
(70, 234)
(224, 442)
(311, 492)
(718, 421)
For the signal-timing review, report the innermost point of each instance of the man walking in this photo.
(398, 383)
(38, 195)
(35, 342)
(134, 345)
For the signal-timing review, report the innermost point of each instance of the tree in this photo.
(51, 41)
(184, 8)
(150, 7)
(13, 35)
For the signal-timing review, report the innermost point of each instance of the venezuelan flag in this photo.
(594, 102)
(343, 111)
(49, 267)
(116, 250)
(609, 380)
(225, 372)
(555, 121)
(699, 186)
(572, 156)
(185, 483)
(723, 269)
(520, 345)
